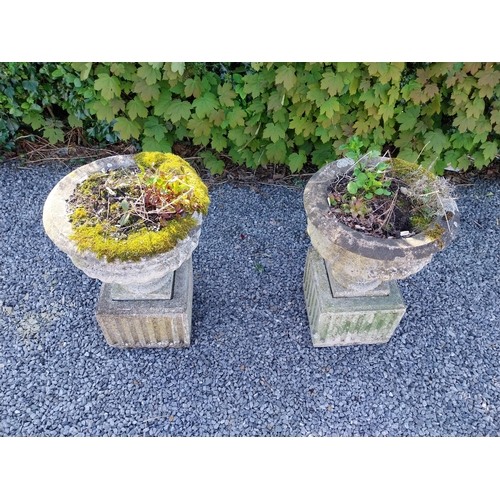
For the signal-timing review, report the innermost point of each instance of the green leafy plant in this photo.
(444, 114)
(370, 181)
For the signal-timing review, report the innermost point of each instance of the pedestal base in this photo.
(149, 323)
(336, 321)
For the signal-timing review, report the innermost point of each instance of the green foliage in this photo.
(261, 113)
(48, 99)
(370, 181)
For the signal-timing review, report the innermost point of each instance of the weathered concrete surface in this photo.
(336, 321)
(361, 262)
(144, 277)
(119, 292)
(149, 323)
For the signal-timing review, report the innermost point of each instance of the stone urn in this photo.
(144, 303)
(352, 296)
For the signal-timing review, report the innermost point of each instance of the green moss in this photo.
(142, 243)
(91, 182)
(419, 221)
(106, 240)
(435, 233)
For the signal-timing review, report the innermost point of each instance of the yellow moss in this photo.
(91, 181)
(406, 170)
(139, 244)
(79, 215)
(173, 164)
(436, 234)
(99, 236)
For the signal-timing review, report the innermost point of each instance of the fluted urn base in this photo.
(153, 322)
(348, 320)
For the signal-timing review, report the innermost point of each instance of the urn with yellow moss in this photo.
(130, 221)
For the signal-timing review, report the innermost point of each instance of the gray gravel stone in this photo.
(251, 369)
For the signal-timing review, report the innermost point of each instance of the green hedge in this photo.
(263, 113)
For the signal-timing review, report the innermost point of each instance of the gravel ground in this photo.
(251, 369)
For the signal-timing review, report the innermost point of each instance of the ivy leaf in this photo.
(236, 117)
(205, 104)
(219, 142)
(177, 110)
(275, 101)
(309, 129)
(74, 121)
(386, 110)
(217, 116)
(178, 67)
(330, 106)
(434, 107)
(193, 87)
(404, 140)
(117, 69)
(296, 161)
(127, 128)
(200, 127)
(462, 140)
(490, 150)
(108, 85)
(464, 122)
(475, 108)
(495, 116)
(408, 118)
(226, 94)
(102, 110)
(54, 135)
(148, 73)
(146, 92)
(483, 126)
(212, 163)
(438, 141)
(252, 85)
(274, 131)
(237, 136)
(163, 102)
(323, 134)
(34, 119)
(136, 108)
(370, 99)
(286, 76)
(408, 88)
(486, 91)
(317, 94)
(431, 90)
(489, 77)
(276, 152)
(298, 123)
(332, 83)
(153, 128)
(117, 105)
(479, 160)
(346, 66)
(83, 68)
(377, 68)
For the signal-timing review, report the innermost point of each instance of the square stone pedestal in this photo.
(336, 321)
(150, 322)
